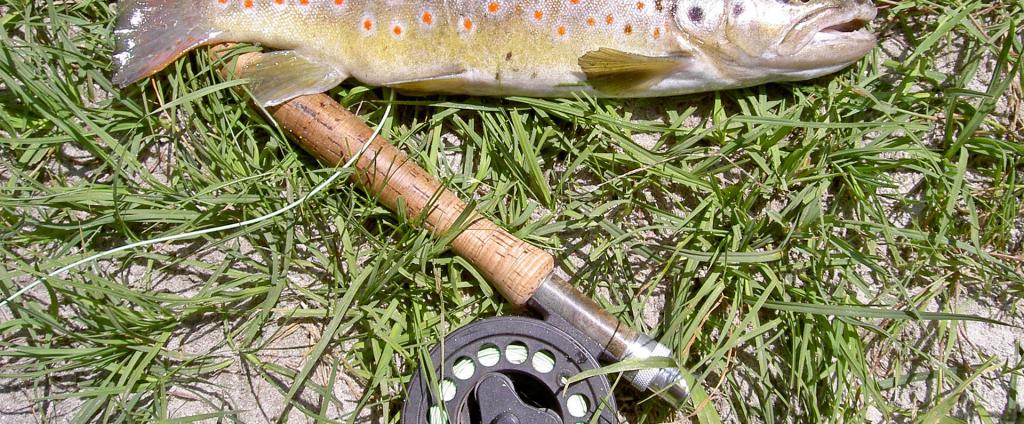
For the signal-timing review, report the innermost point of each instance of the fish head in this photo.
(778, 38)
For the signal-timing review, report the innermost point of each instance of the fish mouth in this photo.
(851, 26)
(854, 28)
(831, 36)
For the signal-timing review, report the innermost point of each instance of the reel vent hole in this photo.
(578, 405)
(543, 361)
(516, 353)
(463, 368)
(488, 355)
(437, 415)
(447, 390)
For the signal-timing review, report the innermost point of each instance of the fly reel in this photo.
(510, 370)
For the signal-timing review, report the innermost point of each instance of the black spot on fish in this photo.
(659, 5)
(696, 14)
(738, 9)
(508, 56)
(628, 29)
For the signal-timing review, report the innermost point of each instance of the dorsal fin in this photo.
(617, 72)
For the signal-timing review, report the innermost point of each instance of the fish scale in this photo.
(550, 48)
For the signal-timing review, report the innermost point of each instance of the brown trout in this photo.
(542, 48)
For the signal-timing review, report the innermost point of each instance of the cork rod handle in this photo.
(333, 135)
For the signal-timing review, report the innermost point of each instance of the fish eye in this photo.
(699, 16)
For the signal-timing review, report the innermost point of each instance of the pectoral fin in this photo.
(277, 77)
(618, 72)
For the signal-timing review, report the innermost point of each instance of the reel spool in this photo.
(511, 370)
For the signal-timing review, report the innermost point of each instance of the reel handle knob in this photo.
(503, 405)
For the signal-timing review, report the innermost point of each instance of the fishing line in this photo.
(316, 190)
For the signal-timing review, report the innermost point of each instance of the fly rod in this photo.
(521, 272)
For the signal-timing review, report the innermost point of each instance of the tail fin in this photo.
(153, 33)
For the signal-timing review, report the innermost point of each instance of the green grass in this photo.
(812, 242)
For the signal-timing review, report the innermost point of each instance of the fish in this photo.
(537, 48)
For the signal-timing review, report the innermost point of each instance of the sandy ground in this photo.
(239, 387)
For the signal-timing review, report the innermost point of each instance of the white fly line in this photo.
(192, 234)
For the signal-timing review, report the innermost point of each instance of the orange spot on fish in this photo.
(493, 7)
(574, 1)
(339, 2)
(640, 5)
(427, 18)
(609, 19)
(467, 24)
(628, 29)
(561, 31)
(591, 21)
(279, 2)
(304, 2)
(247, 4)
(657, 33)
(367, 24)
(538, 15)
(397, 30)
